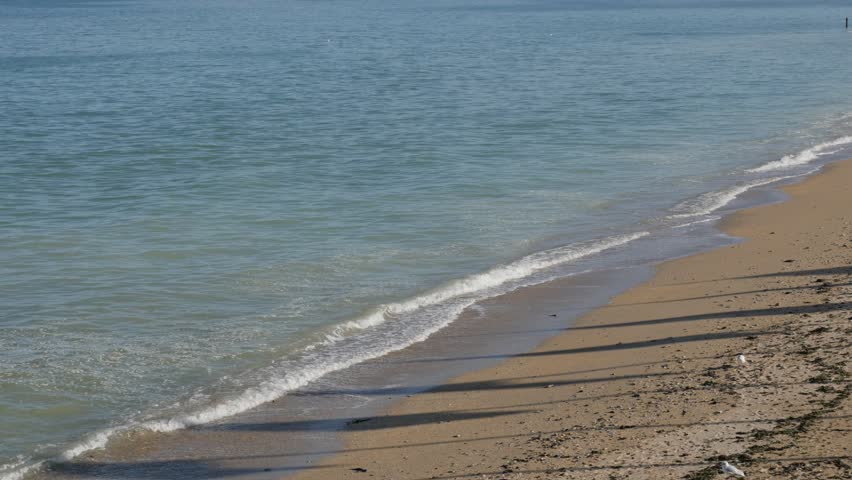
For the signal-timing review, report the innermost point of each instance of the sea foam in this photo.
(709, 202)
(18, 469)
(805, 156)
(459, 295)
(494, 277)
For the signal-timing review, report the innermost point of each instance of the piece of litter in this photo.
(731, 470)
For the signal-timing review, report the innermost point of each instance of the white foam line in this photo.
(92, 442)
(703, 220)
(18, 470)
(712, 201)
(278, 386)
(524, 267)
(805, 156)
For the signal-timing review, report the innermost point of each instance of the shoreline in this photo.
(663, 388)
(281, 439)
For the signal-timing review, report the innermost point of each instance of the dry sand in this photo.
(648, 386)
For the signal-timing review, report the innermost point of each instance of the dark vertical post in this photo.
(847, 23)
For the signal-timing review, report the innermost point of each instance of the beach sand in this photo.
(648, 386)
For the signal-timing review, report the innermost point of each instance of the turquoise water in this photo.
(206, 204)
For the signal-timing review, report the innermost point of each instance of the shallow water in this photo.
(206, 204)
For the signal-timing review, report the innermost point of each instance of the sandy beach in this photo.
(255, 240)
(649, 385)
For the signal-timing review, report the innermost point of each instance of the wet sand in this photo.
(648, 386)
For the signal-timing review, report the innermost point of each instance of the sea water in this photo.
(207, 204)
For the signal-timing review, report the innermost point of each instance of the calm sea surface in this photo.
(206, 204)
